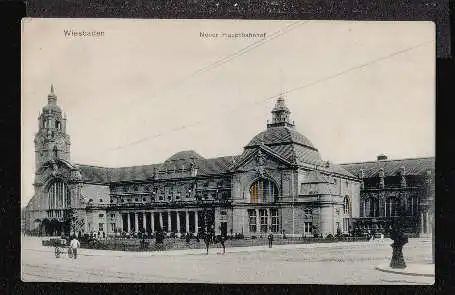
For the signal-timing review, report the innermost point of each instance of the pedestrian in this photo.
(104, 235)
(207, 241)
(270, 237)
(222, 239)
(74, 245)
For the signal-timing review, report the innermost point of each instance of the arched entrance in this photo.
(55, 228)
(45, 228)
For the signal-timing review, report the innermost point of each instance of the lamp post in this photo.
(399, 240)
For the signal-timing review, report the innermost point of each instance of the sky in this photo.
(147, 89)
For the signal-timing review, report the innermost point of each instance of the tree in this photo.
(73, 221)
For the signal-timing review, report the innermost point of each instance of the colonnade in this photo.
(179, 221)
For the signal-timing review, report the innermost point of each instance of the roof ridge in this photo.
(388, 160)
(95, 166)
(135, 166)
(227, 156)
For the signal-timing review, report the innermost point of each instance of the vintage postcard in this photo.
(228, 151)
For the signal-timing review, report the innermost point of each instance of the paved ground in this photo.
(415, 269)
(336, 263)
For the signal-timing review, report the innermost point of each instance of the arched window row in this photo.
(263, 191)
(391, 207)
(59, 196)
(371, 207)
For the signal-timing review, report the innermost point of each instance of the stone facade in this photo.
(391, 188)
(278, 184)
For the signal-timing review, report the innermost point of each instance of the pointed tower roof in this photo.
(52, 102)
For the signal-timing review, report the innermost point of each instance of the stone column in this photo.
(144, 220)
(169, 226)
(136, 222)
(427, 222)
(196, 222)
(161, 220)
(269, 221)
(421, 223)
(152, 222)
(187, 221)
(258, 222)
(178, 220)
(128, 227)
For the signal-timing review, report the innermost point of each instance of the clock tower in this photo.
(51, 140)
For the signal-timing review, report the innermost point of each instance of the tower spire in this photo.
(280, 114)
(52, 98)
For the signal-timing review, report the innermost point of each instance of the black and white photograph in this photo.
(228, 151)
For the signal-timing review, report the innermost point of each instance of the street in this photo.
(335, 263)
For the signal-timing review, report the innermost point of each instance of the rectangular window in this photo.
(337, 226)
(264, 224)
(275, 220)
(223, 212)
(308, 228)
(101, 226)
(252, 220)
(113, 227)
(101, 215)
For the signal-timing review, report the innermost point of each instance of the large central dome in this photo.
(280, 135)
(283, 139)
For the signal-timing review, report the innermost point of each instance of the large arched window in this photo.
(59, 196)
(263, 191)
(347, 206)
(371, 207)
(392, 206)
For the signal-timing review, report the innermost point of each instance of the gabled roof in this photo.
(94, 174)
(103, 175)
(248, 153)
(215, 166)
(334, 168)
(413, 166)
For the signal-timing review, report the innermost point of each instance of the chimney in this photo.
(382, 157)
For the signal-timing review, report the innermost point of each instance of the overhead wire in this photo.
(213, 65)
(297, 88)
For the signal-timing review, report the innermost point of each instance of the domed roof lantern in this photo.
(280, 114)
(52, 102)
